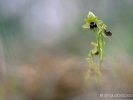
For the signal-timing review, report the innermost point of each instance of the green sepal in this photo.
(86, 25)
(89, 61)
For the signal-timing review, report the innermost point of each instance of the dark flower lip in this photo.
(107, 33)
(97, 53)
(93, 25)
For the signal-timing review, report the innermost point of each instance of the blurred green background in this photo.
(27, 26)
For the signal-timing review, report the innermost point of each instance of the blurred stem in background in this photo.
(5, 95)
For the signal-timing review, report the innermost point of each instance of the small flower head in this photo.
(97, 53)
(91, 21)
(103, 27)
(95, 50)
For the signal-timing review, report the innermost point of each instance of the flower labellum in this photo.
(108, 33)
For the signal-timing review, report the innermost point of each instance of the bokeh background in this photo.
(43, 49)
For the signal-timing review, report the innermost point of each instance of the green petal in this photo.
(91, 14)
(99, 21)
(86, 20)
(86, 25)
(103, 27)
(94, 44)
(90, 54)
(95, 19)
(94, 50)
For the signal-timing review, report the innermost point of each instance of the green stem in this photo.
(92, 58)
(102, 52)
(100, 42)
(96, 33)
(99, 39)
(100, 49)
